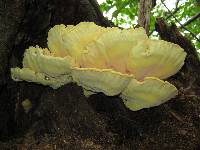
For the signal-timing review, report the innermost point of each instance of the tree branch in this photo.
(191, 19)
(169, 16)
(177, 2)
(182, 26)
(173, 13)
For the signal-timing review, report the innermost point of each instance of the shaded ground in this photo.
(65, 119)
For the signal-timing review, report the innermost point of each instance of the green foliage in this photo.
(125, 12)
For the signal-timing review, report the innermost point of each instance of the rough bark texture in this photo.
(145, 14)
(64, 118)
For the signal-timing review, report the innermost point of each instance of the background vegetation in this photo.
(184, 13)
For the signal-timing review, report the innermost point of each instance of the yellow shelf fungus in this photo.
(108, 60)
(146, 93)
(106, 81)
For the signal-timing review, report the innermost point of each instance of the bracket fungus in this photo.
(108, 60)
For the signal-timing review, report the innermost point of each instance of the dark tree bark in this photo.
(64, 118)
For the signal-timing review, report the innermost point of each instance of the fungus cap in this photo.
(112, 49)
(71, 40)
(35, 59)
(106, 81)
(155, 58)
(55, 39)
(147, 93)
(29, 75)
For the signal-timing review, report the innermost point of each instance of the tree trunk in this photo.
(64, 118)
(144, 14)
